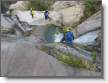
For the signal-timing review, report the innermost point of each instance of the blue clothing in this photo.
(69, 38)
(46, 17)
(46, 13)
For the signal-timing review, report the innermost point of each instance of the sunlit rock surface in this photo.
(92, 23)
(19, 5)
(67, 15)
(70, 11)
(23, 59)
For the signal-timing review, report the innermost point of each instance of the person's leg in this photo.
(45, 17)
(32, 15)
(69, 43)
(72, 45)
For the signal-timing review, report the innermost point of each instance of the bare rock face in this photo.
(19, 5)
(23, 59)
(70, 11)
(58, 5)
(6, 23)
(92, 23)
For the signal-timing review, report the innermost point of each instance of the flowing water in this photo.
(88, 38)
(53, 34)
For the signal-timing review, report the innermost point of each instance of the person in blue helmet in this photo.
(69, 37)
(46, 14)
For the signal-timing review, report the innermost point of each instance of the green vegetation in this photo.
(94, 56)
(79, 62)
(40, 5)
(91, 7)
(93, 51)
(88, 48)
(71, 60)
(45, 49)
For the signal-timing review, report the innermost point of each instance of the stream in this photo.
(53, 34)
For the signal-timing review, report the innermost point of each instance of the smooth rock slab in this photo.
(92, 23)
(76, 52)
(23, 59)
(29, 61)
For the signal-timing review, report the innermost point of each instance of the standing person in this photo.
(69, 37)
(32, 12)
(46, 14)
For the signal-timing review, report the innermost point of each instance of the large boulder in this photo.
(92, 23)
(70, 11)
(19, 5)
(58, 5)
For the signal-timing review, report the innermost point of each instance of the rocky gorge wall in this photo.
(25, 57)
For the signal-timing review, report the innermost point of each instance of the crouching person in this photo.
(68, 37)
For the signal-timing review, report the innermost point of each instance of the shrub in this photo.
(94, 55)
(91, 7)
(39, 5)
(72, 61)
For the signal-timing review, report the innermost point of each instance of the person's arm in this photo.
(72, 35)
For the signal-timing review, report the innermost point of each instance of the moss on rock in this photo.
(70, 60)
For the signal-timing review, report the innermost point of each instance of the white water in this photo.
(87, 39)
(58, 37)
